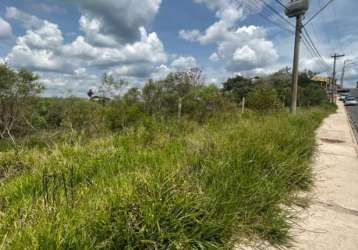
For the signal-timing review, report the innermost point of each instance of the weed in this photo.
(164, 186)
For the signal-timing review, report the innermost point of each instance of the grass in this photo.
(161, 186)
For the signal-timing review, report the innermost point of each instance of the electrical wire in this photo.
(282, 4)
(314, 47)
(306, 38)
(312, 53)
(318, 12)
(267, 14)
(276, 12)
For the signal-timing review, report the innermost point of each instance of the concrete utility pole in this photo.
(334, 80)
(296, 58)
(296, 8)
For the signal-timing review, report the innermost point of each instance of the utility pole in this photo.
(296, 57)
(334, 80)
(296, 8)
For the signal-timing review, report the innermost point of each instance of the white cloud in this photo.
(27, 20)
(92, 28)
(190, 35)
(183, 63)
(242, 49)
(38, 49)
(229, 11)
(149, 49)
(160, 72)
(5, 29)
(117, 19)
(48, 36)
(42, 48)
(41, 60)
(214, 57)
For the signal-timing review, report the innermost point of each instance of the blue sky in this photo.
(71, 43)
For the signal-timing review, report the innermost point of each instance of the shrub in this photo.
(312, 95)
(238, 87)
(264, 99)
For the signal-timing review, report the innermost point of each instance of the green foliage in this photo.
(312, 95)
(126, 174)
(162, 186)
(122, 114)
(17, 89)
(264, 99)
(68, 113)
(238, 87)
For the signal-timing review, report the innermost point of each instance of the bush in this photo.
(238, 87)
(264, 99)
(121, 114)
(68, 113)
(312, 95)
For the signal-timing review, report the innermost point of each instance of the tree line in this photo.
(180, 96)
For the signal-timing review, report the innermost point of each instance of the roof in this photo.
(318, 78)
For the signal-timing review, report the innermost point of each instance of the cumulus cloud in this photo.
(242, 49)
(100, 48)
(40, 60)
(26, 20)
(183, 63)
(38, 49)
(42, 48)
(190, 35)
(117, 19)
(92, 28)
(149, 49)
(48, 36)
(5, 29)
(229, 11)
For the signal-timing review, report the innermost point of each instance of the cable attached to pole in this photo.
(318, 12)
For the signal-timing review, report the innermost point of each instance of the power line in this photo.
(311, 48)
(280, 3)
(307, 40)
(312, 53)
(276, 13)
(318, 12)
(266, 14)
(314, 46)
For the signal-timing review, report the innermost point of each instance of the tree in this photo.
(312, 95)
(17, 89)
(264, 99)
(168, 96)
(109, 89)
(152, 94)
(238, 87)
(281, 81)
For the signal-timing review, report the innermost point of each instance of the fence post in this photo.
(243, 105)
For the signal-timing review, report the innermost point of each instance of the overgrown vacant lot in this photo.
(160, 185)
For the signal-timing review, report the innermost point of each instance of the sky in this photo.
(70, 44)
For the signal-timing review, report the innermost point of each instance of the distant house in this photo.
(323, 81)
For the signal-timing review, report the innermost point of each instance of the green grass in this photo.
(161, 186)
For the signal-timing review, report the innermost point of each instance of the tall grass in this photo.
(161, 186)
